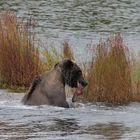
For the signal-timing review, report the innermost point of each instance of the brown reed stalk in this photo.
(51, 57)
(19, 58)
(136, 78)
(67, 51)
(109, 74)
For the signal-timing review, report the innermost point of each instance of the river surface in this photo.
(80, 122)
(80, 22)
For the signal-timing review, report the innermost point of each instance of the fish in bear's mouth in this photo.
(78, 91)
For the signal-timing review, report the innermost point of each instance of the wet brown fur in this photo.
(49, 88)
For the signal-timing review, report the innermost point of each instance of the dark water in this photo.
(81, 22)
(81, 122)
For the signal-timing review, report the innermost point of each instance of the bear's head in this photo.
(72, 76)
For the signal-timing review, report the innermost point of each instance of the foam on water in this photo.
(82, 121)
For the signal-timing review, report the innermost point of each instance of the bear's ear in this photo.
(68, 64)
(56, 65)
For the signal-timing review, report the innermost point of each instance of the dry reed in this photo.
(67, 51)
(109, 74)
(136, 78)
(51, 57)
(19, 58)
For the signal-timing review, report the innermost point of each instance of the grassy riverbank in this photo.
(113, 76)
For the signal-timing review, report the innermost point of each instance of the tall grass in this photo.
(51, 57)
(19, 58)
(136, 78)
(67, 51)
(109, 74)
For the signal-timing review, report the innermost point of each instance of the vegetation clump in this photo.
(19, 58)
(67, 51)
(109, 74)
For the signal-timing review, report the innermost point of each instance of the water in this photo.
(80, 122)
(80, 22)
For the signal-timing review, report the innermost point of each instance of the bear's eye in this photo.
(79, 72)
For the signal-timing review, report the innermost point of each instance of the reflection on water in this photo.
(63, 128)
(110, 131)
(86, 121)
(20, 131)
(66, 125)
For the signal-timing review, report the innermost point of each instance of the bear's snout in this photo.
(83, 82)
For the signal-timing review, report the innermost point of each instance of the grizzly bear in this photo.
(49, 88)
